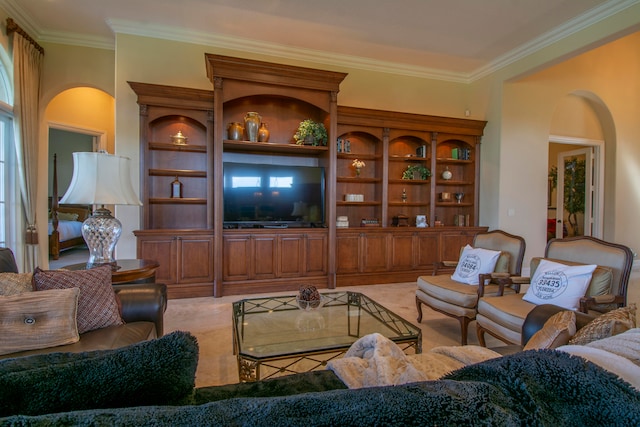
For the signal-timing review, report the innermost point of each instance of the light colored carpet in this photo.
(209, 320)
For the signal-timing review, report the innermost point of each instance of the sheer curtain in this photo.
(27, 63)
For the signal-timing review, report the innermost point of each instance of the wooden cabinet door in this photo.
(348, 253)
(451, 243)
(402, 253)
(290, 255)
(315, 254)
(375, 252)
(163, 250)
(238, 256)
(195, 259)
(264, 256)
(427, 250)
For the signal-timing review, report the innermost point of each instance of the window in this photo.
(9, 194)
(8, 191)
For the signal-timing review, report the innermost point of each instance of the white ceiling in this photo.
(447, 38)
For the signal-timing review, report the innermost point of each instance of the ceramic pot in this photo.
(235, 131)
(263, 133)
(447, 174)
(251, 125)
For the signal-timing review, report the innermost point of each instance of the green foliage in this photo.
(310, 131)
(574, 188)
(424, 171)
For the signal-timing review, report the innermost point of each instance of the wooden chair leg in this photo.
(419, 307)
(464, 328)
(480, 333)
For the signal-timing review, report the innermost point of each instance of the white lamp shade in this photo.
(100, 179)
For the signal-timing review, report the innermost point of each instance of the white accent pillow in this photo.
(473, 262)
(559, 284)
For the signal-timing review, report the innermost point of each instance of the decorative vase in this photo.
(447, 174)
(176, 189)
(263, 133)
(235, 131)
(251, 125)
(357, 171)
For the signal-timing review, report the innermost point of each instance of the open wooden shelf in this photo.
(272, 147)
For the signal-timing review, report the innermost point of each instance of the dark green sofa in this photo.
(152, 383)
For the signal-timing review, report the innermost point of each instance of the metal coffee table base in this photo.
(273, 337)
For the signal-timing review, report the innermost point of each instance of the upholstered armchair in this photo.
(459, 300)
(502, 315)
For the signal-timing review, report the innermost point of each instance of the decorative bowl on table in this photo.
(309, 298)
(309, 305)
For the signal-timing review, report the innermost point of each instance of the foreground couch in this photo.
(152, 383)
(32, 320)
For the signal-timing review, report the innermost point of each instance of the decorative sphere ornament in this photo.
(446, 174)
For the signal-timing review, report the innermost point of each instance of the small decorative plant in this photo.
(358, 164)
(411, 169)
(311, 132)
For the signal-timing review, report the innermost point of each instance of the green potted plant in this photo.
(420, 169)
(311, 133)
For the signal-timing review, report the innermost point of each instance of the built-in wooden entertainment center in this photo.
(200, 255)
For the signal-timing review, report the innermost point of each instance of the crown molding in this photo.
(21, 17)
(273, 49)
(163, 32)
(565, 30)
(75, 39)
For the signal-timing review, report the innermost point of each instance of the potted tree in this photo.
(311, 133)
(574, 190)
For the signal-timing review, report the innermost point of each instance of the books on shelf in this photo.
(461, 154)
(462, 220)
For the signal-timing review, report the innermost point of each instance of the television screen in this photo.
(273, 195)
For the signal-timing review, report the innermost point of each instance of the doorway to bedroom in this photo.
(62, 143)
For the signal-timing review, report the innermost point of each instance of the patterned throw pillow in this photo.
(15, 283)
(97, 306)
(36, 320)
(473, 262)
(557, 331)
(559, 284)
(609, 324)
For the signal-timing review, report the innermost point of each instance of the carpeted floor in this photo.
(209, 319)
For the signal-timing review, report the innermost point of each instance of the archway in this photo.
(581, 120)
(83, 111)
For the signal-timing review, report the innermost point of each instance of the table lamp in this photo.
(101, 179)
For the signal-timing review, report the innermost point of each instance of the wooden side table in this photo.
(127, 271)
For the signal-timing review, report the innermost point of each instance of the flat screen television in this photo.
(273, 196)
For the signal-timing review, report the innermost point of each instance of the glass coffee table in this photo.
(274, 336)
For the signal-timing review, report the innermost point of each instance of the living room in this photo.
(503, 98)
(582, 85)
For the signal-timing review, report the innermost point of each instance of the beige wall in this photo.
(77, 91)
(609, 74)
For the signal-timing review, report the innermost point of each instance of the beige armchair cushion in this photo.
(444, 288)
(503, 263)
(508, 311)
